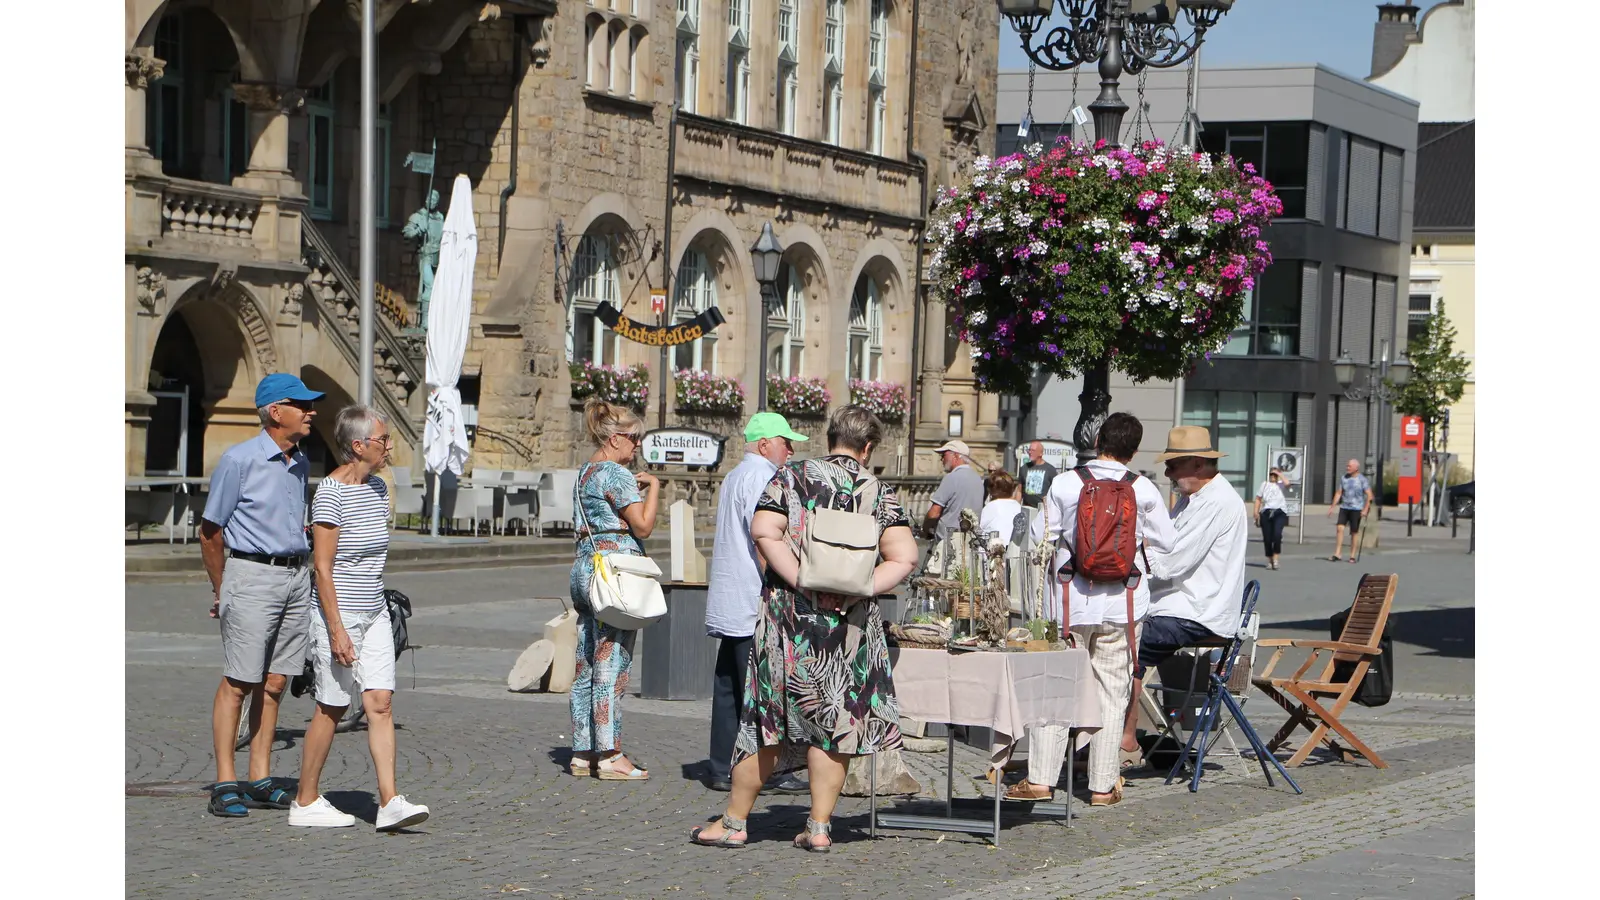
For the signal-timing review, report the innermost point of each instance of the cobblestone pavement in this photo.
(507, 820)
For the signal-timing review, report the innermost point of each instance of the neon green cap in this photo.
(769, 425)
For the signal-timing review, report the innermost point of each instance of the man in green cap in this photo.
(733, 593)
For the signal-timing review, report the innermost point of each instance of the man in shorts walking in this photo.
(253, 542)
(1352, 499)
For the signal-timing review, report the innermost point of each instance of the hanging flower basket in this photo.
(626, 385)
(886, 400)
(805, 397)
(703, 392)
(1058, 260)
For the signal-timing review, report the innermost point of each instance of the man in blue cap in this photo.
(733, 591)
(253, 542)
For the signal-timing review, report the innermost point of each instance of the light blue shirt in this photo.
(733, 591)
(259, 498)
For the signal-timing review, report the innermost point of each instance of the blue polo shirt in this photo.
(259, 498)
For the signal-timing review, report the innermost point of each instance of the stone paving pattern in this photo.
(506, 819)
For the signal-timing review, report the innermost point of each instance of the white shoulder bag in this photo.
(624, 592)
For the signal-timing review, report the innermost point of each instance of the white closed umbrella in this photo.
(444, 436)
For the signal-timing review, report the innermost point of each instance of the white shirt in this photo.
(1202, 577)
(733, 584)
(1271, 496)
(1092, 603)
(999, 516)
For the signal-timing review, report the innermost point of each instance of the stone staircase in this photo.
(398, 358)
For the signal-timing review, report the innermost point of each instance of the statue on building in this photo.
(426, 226)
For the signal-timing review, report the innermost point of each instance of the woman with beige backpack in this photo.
(833, 538)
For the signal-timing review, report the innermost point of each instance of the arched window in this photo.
(866, 330)
(786, 327)
(596, 52)
(593, 281)
(696, 292)
(618, 77)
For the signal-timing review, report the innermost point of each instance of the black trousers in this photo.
(1272, 524)
(727, 702)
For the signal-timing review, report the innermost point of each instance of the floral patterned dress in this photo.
(604, 653)
(818, 678)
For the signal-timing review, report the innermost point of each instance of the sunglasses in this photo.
(636, 438)
(302, 405)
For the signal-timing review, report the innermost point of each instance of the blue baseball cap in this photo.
(280, 386)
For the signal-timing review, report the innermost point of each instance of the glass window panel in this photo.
(1246, 150)
(1199, 408)
(1274, 425)
(1288, 147)
(1278, 313)
(1232, 434)
(1239, 343)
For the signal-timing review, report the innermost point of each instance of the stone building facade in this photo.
(614, 147)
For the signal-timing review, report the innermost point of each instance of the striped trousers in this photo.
(1113, 676)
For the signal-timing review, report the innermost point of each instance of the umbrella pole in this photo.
(436, 504)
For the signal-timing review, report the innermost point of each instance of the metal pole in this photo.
(761, 385)
(369, 199)
(666, 256)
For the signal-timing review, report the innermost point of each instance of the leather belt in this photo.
(288, 562)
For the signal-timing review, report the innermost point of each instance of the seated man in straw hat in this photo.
(1196, 584)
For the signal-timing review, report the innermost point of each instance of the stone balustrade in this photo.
(726, 153)
(210, 213)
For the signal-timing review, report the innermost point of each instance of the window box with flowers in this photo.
(795, 396)
(885, 399)
(703, 392)
(625, 385)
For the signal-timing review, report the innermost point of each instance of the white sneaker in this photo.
(401, 813)
(320, 814)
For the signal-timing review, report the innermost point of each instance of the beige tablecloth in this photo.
(1003, 691)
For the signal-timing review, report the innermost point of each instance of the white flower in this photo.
(979, 180)
(981, 163)
(1203, 194)
(1021, 218)
(977, 318)
(1005, 279)
(1034, 149)
(973, 290)
(1014, 165)
(1037, 248)
(1018, 187)
(1205, 163)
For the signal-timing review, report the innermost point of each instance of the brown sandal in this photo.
(1025, 792)
(1109, 799)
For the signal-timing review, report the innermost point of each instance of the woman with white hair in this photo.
(352, 640)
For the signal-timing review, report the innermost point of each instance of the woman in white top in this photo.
(1272, 512)
(352, 641)
(1000, 512)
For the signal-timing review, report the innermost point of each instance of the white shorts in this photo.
(373, 638)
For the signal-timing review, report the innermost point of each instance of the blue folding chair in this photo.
(1218, 698)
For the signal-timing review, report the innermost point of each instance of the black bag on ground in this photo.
(1378, 686)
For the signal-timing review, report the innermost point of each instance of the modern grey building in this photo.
(1341, 154)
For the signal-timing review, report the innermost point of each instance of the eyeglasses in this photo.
(387, 439)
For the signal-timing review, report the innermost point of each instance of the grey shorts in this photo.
(266, 619)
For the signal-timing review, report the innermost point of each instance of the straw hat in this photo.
(1189, 440)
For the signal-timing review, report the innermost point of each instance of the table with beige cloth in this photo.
(1004, 692)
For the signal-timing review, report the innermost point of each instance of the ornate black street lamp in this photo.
(765, 254)
(1122, 36)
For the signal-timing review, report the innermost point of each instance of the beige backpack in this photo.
(839, 549)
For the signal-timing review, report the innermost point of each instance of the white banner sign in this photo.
(681, 447)
(1057, 453)
(1291, 462)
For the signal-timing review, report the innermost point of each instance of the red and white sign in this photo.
(658, 300)
(1411, 435)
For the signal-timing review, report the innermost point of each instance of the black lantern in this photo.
(766, 254)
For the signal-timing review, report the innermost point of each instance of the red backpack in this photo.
(1107, 540)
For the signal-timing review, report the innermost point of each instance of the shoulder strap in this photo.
(1131, 477)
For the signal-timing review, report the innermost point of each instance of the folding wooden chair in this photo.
(1220, 698)
(1357, 644)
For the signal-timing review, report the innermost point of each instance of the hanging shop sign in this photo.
(659, 335)
(682, 447)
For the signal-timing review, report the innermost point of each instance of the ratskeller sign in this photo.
(682, 447)
(659, 335)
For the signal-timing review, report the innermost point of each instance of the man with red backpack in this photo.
(1106, 524)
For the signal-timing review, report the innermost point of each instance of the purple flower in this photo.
(1061, 268)
(1105, 289)
(1222, 215)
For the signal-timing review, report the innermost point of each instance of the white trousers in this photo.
(1113, 676)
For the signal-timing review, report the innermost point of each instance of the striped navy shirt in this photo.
(361, 513)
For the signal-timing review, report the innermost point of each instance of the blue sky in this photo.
(1336, 33)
